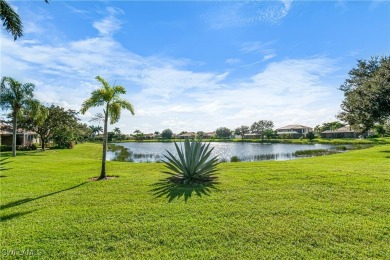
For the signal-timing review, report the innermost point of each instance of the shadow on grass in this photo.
(3, 162)
(386, 151)
(22, 201)
(22, 153)
(171, 190)
(15, 215)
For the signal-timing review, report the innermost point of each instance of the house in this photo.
(149, 136)
(294, 131)
(342, 132)
(23, 138)
(186, 135)
(209, 135)
(251, 136)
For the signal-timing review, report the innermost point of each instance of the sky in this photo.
(197, 65)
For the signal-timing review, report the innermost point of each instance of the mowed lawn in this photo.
(336, 206)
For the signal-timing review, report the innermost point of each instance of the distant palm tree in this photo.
(117, 132)
(11, 19)
(94, 130)
(15, 96)
(109, 97)
(99, 129)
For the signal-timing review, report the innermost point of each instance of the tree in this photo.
(94, 130)
(261, 126)
(380, 130)
(117, 132)
(99, 129)
(52, 123)
(367, 94)
(270, 134)
(167, 134)
(199, 136)
(328, 126)
(310, 136)
(242, 130)
(83, 132)
(15, 97)
(109, 97)
(11, 20)
(138, 134)
(223, 132)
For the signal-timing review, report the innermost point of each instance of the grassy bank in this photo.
(335, 206)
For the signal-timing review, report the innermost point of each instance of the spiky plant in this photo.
(193, 164)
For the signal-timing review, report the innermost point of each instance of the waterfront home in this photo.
(294, 131)
(187, 135)
(209, 135)
(342, 132)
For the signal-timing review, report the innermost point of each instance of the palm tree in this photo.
(95, 130)
(92, 128)
(109, 97)
(99, 129)
(11, 19)
(117, 132)
(15, 96)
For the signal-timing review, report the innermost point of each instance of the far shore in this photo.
(383, 140)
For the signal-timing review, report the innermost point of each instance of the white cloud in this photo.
(257, 47)
(109, 24)
(237, 14)
(233, 61)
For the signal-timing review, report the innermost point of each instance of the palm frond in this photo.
(114, 112)
(11, 20)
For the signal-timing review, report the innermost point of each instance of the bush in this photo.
(34, 146)
(69, 145)
(341, 148)
(5, 148)
(192, 166)
(234, 159)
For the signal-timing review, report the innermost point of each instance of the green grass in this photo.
(330, 207)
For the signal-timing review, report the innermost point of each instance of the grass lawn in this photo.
(336, 206)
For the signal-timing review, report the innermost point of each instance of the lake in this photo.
(153, 152)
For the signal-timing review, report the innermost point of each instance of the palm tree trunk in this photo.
(105, 137)
(14, 132)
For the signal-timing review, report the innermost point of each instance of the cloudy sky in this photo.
(197, 65)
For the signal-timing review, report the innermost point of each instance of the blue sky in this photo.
(198, 65)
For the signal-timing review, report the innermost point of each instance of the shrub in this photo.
(234, 159)
(341, 148)
(69, 145)
(34, 146)
(310, 136)
(193, 164)
(5, 148)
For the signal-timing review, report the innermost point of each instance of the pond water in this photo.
(153, 152)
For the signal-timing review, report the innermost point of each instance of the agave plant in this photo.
(193, 164)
